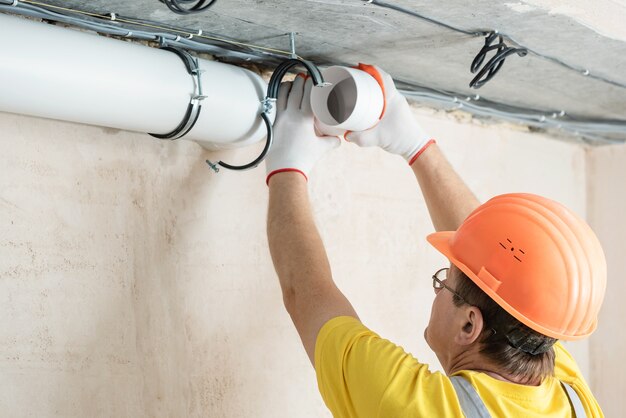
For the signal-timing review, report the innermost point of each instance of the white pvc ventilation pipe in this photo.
(352, 100)
(64, 74)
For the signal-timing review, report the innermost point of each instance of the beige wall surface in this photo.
(134, 282)
(607, 207)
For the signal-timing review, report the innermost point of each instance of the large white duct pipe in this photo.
(65, 74)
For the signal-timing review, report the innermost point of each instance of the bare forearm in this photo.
(295, 244)
(448, 198)
(299, 257)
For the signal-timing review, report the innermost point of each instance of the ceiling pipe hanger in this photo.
(269, 103)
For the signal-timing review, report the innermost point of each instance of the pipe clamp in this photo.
(268, 104)
(195, 103)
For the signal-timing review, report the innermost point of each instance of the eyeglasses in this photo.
(439, 279)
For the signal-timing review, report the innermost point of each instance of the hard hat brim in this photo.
(442, 241)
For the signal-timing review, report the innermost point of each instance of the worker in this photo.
(524, 273)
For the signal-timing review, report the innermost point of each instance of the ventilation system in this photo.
(53, 72)
(65, 74)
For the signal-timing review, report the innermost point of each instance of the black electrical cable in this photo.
(182, 7)
(491, 68)
(270, 99)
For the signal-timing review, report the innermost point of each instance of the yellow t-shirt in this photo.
(362, 375)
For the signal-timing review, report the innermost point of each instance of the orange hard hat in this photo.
(536, 259)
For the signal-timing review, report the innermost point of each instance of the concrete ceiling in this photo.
(587, 35)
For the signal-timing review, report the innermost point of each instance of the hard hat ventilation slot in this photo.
(512, 249)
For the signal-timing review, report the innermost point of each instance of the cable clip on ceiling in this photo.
(182, 7)
(491, 68)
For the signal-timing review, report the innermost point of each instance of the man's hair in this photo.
(505, 341)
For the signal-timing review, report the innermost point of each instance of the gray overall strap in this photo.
(471, 404)
(474, 407)
(574, 400)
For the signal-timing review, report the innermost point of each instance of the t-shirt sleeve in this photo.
(362, 375)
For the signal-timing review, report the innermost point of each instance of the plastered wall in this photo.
(607, 206)
(134, 282)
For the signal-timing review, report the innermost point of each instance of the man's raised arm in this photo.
(448, 198)
(299, 257)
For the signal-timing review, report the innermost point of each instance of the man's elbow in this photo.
(289, 299)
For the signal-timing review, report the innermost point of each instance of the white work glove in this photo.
(297, 145)
(397, 131)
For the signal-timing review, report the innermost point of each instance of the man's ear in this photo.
(471, 326)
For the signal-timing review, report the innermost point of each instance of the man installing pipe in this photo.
(524, 273)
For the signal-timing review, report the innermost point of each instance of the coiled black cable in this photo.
(494, 65)
(182, 7)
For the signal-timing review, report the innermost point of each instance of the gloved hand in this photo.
(397, 132)
(297, 145)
